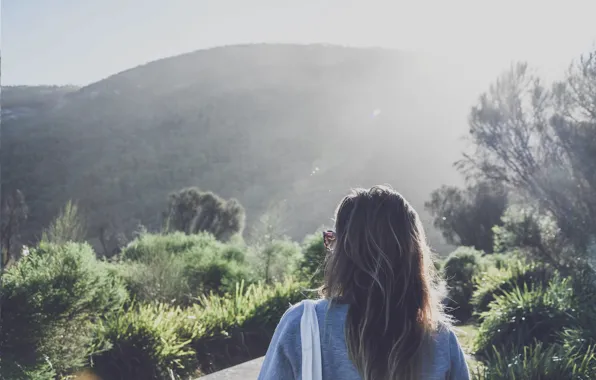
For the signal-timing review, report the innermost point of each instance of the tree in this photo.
(466, 216)
(14, 214)
(537, 234)
(69, 226)
(268, 238)
(312, 264)
(271, 225)
(542, 142)
(191, 211)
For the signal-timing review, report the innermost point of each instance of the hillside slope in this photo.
(26, 101)
(260, 123)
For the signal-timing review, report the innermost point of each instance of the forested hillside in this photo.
(261, 123)
(23, 101)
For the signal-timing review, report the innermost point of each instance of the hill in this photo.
(262, 123)
(26, 101)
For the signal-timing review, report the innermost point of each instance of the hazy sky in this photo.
(82, 41)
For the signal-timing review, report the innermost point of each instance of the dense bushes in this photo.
(142, 343)
(189, 311)
(64, 310)
(191, 210)
(522, 316)
(533, 323)
(177, 268)
(154, 341)
(540, 361)
(276, 259)
(500, 281)
(459, 270)
(311, 266)
(50, 300)
(232, 329)
(149, 246)
(467, 216)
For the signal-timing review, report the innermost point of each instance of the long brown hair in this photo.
(382, 268)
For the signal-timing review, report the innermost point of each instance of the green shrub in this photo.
(192, 211)
(237, 327)
(460, 269)
(313, 257)
(147, 247)
(177, 268)
(582, 335)
(10, 370)
(68, 226)
(234, 252)
(277, 259)
(501, 260)
(160, 281)
(50, 299)
(578, 340)
(206, 274)
(141, 343)
(151, 340)
(536, 233)
(522, 316)
(540, 362)
(498, 282)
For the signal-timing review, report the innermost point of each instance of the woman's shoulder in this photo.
(448, 347)
(446, 334)
(290, 321)
(293, 315)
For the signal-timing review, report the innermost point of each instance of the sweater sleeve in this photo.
(459, 368)
(284, 355)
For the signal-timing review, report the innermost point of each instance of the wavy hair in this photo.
(382, 268)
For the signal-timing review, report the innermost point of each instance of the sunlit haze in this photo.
(80, 42)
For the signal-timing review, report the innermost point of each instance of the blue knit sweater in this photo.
(284, 356)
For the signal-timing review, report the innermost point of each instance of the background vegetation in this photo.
(195, 291)
(258, 123)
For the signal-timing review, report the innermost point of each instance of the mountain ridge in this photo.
(246, 121)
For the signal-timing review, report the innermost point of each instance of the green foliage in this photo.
(537, 234)
(582, 334)
(466, 217)
(13, 371)
(460, 269)
(314, 252)
(148, 246)
(160, 281)
(156, 340)
(270, 226)
(493, 283)
(14, 214)
(68, 226)
(232, 128)
(278, 258)
(50, 299)
(142, 343)
(192, 211)
(231, 329)
(177, 268)
(578, 340)
(552, 156)
(540, 361)
(258, 305)
(274, 254)
(525, 315)
(213, 271)
(502, 260)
